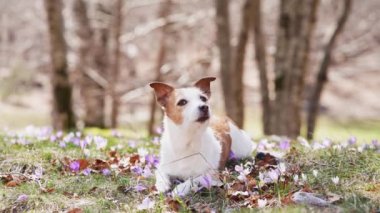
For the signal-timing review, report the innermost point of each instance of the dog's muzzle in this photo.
(204, 114)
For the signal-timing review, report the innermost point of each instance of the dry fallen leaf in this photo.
(174, 205)
(83, 164)
(134, 159)
(99, 165)
(265, 159)
(75, 210)
(287, 200)
(12, 183)
(47, 190)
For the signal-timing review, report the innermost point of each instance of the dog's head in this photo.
(185, 106)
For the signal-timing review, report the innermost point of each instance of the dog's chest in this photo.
(190, 161)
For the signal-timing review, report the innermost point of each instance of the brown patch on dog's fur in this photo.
(222, 133)
(173, 111)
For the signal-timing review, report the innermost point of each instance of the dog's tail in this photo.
(242, 146)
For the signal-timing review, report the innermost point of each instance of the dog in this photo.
(194, 143)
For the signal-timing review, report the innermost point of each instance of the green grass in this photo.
(359, 184)
(364, 130)
(327, 127)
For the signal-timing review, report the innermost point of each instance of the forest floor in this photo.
(107, 171)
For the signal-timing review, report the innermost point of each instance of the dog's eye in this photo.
(182, 102)
(203, 98)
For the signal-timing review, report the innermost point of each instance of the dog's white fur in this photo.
(190, 149)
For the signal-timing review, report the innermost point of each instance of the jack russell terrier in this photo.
(194, 143)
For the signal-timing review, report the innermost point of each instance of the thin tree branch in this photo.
(322, 74)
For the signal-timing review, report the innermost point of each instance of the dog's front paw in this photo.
(162, 182)
(182, 189)
(162, 186)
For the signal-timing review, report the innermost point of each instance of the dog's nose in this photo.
(203, 108)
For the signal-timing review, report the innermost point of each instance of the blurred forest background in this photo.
(280, 64)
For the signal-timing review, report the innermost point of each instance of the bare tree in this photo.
(116, 29)
(161, 57)
(239, 56)
(321, 78)
(295, 26)
(260, 56)
(63, 117)
(92, 64)
(231, 81)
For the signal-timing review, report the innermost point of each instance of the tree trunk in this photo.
(117, 25)
(232, 101)
(63, 117)
(296, 23)
(92, 57)
(260, 56)
(161, 57)
(239, 57)
(321, 77)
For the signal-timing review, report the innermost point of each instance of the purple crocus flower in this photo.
(375, 143)
(352, 140)
(159, 130)
(239, 168)
(75, 141)
(132, 144)
(116, 134)
(139, 187)
(86, 171)
(78, 134)
(23, 141)
(147, 172)
(206, 181)
(151, 160)
(231, 156)
(147, 203)
(326, 142)
(242, 172)
(53, 138)
(106, 172)
(156, 140)
(59, 134)
(88, 139)
(38, 172)
(74, 166)
(284, 144)
(22, 198)
(82, 144)
(137, 170)
(100, 142)
(274, 175)
(62, 144)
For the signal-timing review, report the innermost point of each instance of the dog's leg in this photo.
(162, 181)
(194, 183)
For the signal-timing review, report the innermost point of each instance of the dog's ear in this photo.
(162, 92)
(204, 85)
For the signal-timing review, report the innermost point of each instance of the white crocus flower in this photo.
(261, 203)
(335, 180)
(315, 173)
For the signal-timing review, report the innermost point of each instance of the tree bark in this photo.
(322, 75)
(296, 23)
(261, 61)
(232, 101)
(239, 57)
(92, 55)
(161, 57)
(63, 117)
(117, 25)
